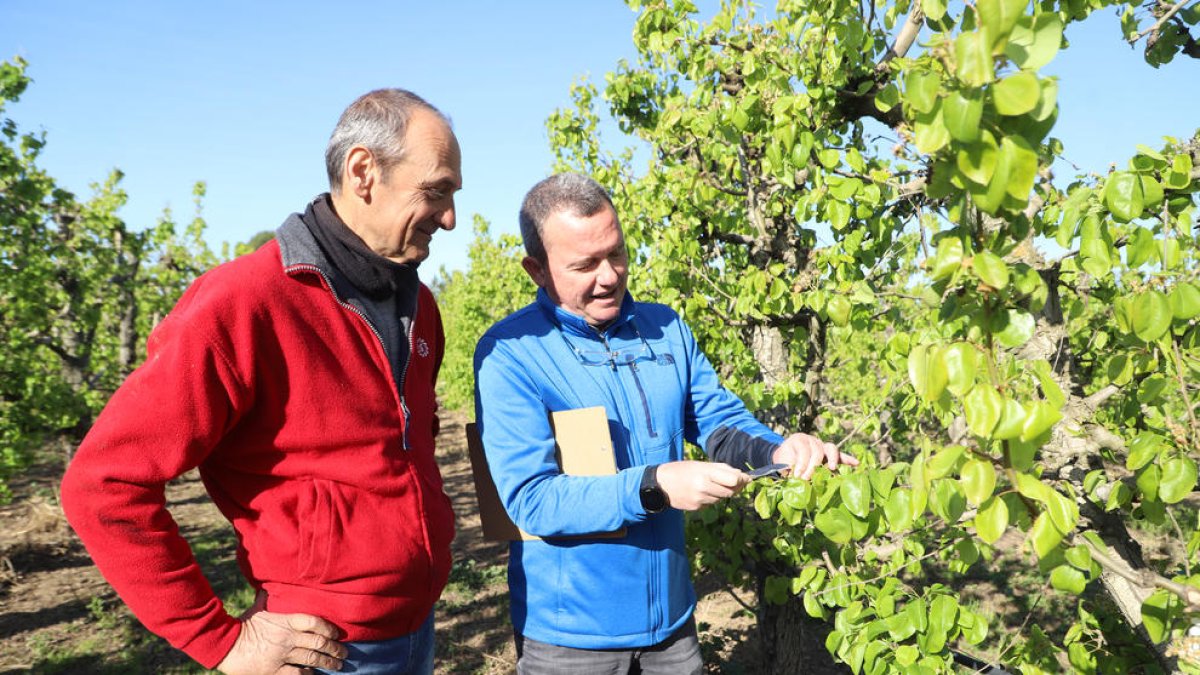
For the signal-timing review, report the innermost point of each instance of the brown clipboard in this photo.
(582, 446)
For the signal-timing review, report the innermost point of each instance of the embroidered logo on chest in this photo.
(422, 348)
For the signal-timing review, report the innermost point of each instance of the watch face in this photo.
(654, 499)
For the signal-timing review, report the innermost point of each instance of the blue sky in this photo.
(243, 95)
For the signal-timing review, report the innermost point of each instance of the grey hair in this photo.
(576, 194)
(378, 121)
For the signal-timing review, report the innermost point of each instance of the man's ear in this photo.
(360, 173)
(535, 270)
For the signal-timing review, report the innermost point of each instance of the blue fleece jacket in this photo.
(658, 389)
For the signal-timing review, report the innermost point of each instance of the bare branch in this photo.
(906, 37)
(1143, 578)
(1162, 20)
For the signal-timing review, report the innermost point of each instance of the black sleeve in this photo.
(739, 449)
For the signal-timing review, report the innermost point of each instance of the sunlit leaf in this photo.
(1178, 479)
(991, 520)
(1016, 94)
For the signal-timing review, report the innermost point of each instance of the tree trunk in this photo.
(793, 643)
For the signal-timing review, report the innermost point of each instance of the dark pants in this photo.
(677, 655)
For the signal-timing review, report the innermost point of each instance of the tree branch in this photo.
(1143, 578)
(1162, 20)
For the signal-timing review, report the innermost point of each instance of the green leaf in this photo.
(944, 461)
(978, 160)
(962, 112)
(948, 258)
(973, 58)
(898, 510)
(1040, 416)
(1185, 301)
(906, 655)
(813, 606)
(946, 500)
(1148, 480)
(838, 310)
(991, 269)
(983, 406)
(961, 361)
(1178, 479)
(929, 131)
(1159, 612)
(927, 371)
(943, 613)
(1123, 196)
(1063, 511)
(1152, 192)
(999, 17)
(835, 524)
(1012, 420)
(1022, 167)
(1150, 315)
(978, 481)
(1016, 94)
(1044, 535)
(1018, 328)
(1142, 248)
(991, 520)
(1067, 578)
(1143, 449)
(921, 90)
(1034, 40)
(764, 505)
(1080, 556)
(855, 491)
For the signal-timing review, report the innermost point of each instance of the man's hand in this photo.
(690, 485)
(805, 453)
(272, 643)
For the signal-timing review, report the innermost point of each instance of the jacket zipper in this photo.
(379, 337)
(633, 369)
(412, 330)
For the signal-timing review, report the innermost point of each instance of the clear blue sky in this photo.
(243, 95)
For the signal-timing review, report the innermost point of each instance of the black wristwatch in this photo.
(654, 500)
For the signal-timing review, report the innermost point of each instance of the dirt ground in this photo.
(57, 615)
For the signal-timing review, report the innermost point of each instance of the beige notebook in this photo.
(583, 447)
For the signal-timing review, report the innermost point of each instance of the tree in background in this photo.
(79, 292)
(1010, 397)
(493, 286)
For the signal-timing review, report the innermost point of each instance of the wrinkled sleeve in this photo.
(717, 420)
(519, 444)
(163, 421)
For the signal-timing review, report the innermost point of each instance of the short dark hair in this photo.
(377, 120)
(574, 193)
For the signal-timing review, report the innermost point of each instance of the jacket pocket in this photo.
(368, 539)
(665, 450)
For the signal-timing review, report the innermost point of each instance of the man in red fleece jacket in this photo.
(299, 379)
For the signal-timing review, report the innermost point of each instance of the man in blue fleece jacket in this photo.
(583, 604)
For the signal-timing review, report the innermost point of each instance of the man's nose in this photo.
(608, 274)
(446, 219)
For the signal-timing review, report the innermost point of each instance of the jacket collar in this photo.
(577, 325)
(297, 246)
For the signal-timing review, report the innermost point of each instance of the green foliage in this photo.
(79, 291)
(493, 286)
(904, 302)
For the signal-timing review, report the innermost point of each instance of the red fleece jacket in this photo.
(284, 398)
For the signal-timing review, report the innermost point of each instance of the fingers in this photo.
(690, 485)
(284, 643)
(307, 623)
(806, 452)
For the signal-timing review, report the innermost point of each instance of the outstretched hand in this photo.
(690, 485)
(277, 644)
(805, 453)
